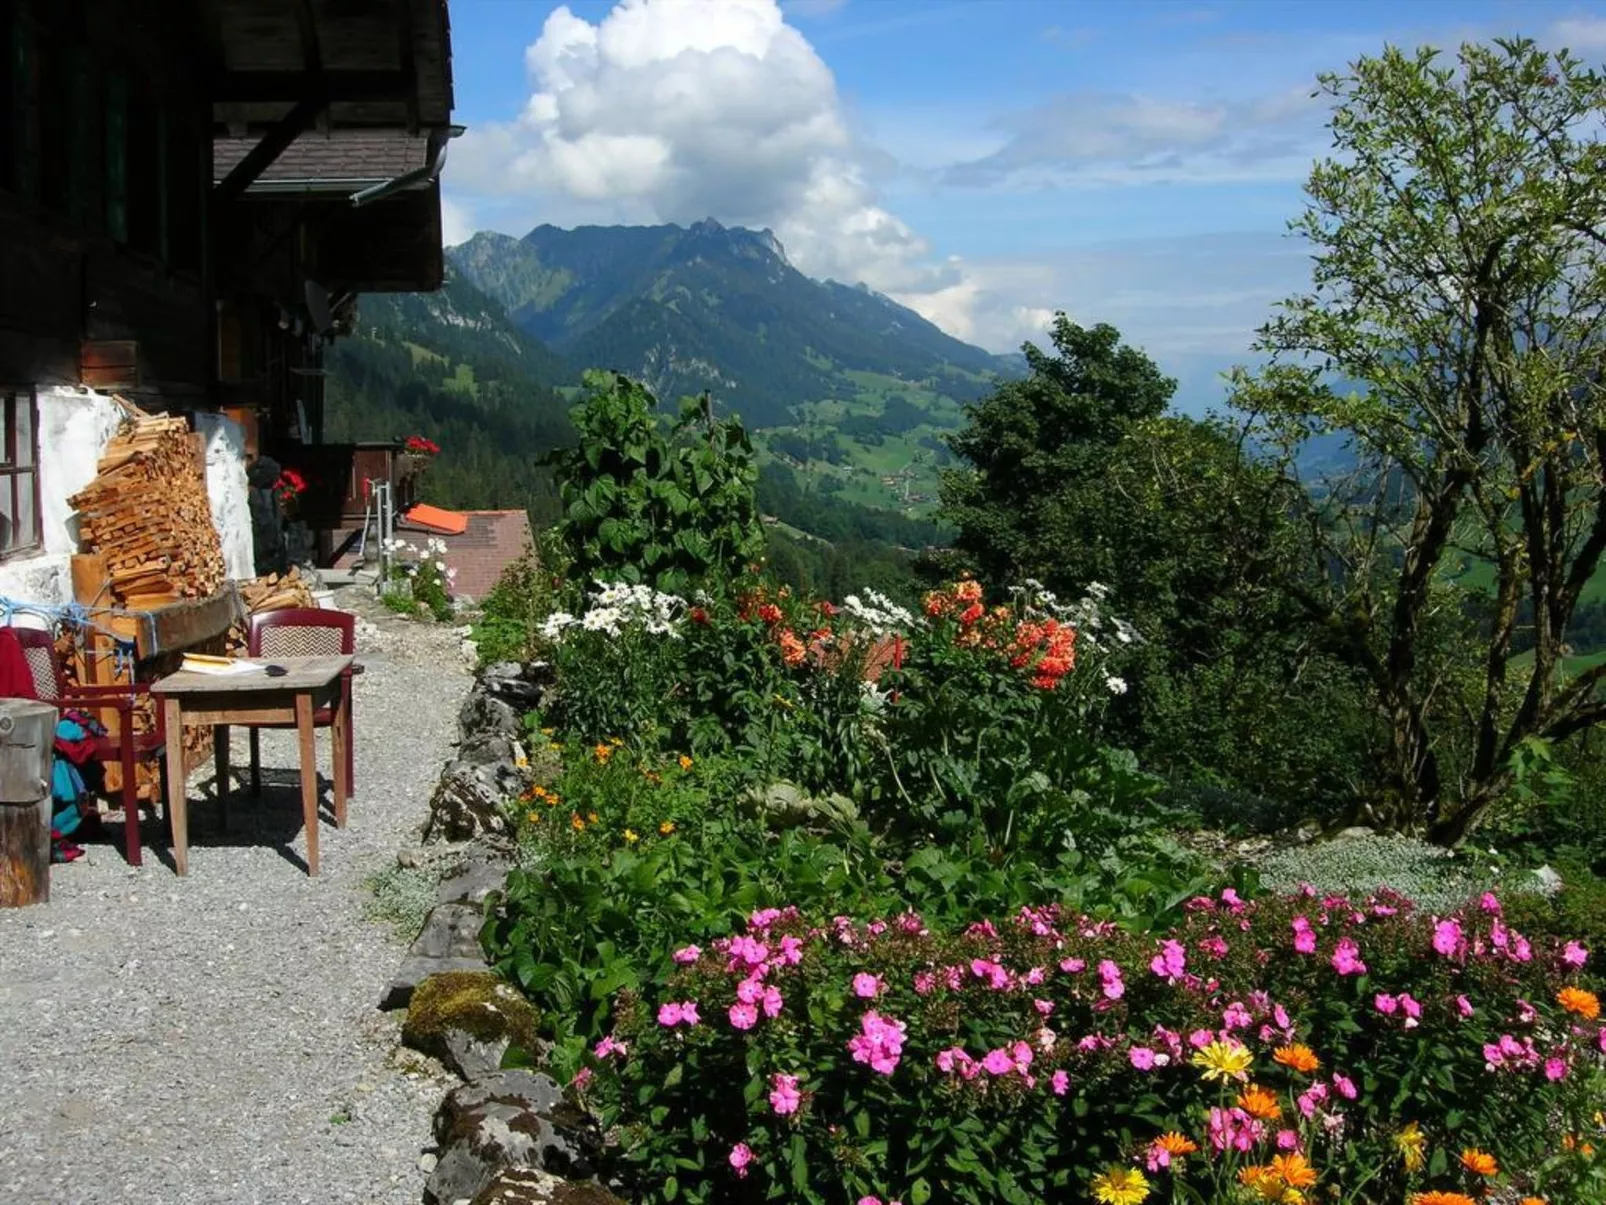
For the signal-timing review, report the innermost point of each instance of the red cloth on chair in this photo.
(16, 679)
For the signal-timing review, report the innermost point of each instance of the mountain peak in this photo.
(706, 226)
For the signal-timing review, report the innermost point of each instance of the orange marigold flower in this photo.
(1299, 1057)
(1533, 1201)
(968, 590)
(1260, 1102)
(685, 762)
(602, 753)
(1479, 1163)
(1441, 1198)
(1176, 1145)
(577, 824)
(1577, 1000)
(1295, 1170)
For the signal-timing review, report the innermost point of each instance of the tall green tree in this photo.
(1460, 279)
(639, 505)
(1037, 450)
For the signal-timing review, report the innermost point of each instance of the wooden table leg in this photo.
(177, 784)
(309, 775)
(342, 716)
(220, 764)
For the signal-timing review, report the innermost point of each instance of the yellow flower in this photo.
(548, 731)
(1479, 1163)
(630, 836)
(1298, 1056)
(1223, 1060)
(667, 827)
(1120, 1186)
(554, 747)
(522, 763)
(1412, 1144)
(534, 817)
(591, 818)
(685, 762)
(1262, 1180)
(615, 741)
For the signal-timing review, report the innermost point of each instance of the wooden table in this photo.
(219, 700)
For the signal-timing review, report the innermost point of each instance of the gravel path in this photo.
(214, 1038)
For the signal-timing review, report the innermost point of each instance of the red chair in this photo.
(305, 632)
(127, 748)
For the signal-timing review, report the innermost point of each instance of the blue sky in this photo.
(984, 161)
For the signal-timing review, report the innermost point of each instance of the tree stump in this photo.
(27, 740)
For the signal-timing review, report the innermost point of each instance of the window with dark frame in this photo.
(21, 530)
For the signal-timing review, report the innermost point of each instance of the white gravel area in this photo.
(214, 1038)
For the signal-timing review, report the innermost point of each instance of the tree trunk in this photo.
(27, 737)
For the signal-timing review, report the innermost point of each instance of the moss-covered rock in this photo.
(524, 1186)
(468, 1019)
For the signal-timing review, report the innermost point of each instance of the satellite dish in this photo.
(318, 307)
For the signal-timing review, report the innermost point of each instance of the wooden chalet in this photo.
(192, 194)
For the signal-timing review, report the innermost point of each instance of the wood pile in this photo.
(277, 592)
(146, 512)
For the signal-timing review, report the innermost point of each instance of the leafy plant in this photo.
(640, 507)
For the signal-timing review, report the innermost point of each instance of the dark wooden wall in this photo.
(105, 163)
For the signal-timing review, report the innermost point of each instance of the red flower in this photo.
(699, 617)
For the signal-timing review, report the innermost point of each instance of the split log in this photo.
(27, 737)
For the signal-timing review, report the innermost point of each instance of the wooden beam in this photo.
(261, 156)
(407, 58)
(311, 52)
(265, 87)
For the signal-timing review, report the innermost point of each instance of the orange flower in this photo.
(685, 762)
(1577, 1000)
(1176, 1145)
(1260, 1102)
(792, 649)
(602, 754)
(968, 591)
(1299, 1057)
(1532, 1201)
(1295, 1170)
(1441, 1198)
(1263, 1179)
(1479, 1163)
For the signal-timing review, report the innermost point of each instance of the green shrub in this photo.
(508, 625)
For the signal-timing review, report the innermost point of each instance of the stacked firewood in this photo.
(147, 513)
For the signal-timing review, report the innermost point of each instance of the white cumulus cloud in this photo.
(677, 110)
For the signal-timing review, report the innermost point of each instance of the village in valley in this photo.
(556, 649)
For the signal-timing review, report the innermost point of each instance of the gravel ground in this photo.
(214, 1038)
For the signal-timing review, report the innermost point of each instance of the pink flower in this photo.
(784, 1096)
(1489, 903)
(1411, 1009)
(1236, 1016)
(581, 1078)
(791, 951)
(1043, 1007)
(1060, 1082)
(996, 976)
(1215, 945)
(741, 1155)
(1073, 966)
(1385, 1004)
(1171, 962)
(866, 986)
(1345, 1086)
(1447, 938)
(771, 1002)
(1347, 958)
(1555, 1069)
(998, 1062)
(746, 950)
(878, 1043)
(1601, 1039)
(1287, 1140)
(1200, 1038)
(1233, 1129)
(1142, 1058)
(1574, 955)
(1110, 978)
(687, 954)
(1463, 1006)
(925, 983)
(1304, 936)
(608, 1047)
(672, 1014)
(743, 1016)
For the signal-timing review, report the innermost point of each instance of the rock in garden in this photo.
(467, 802)
(414, 970)
(509, 1119)
(468, 1019)
(483, 713)
(525, 1186)
(483, 870)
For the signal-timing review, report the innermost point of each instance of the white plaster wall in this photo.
(75, 425)
(228, 492)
